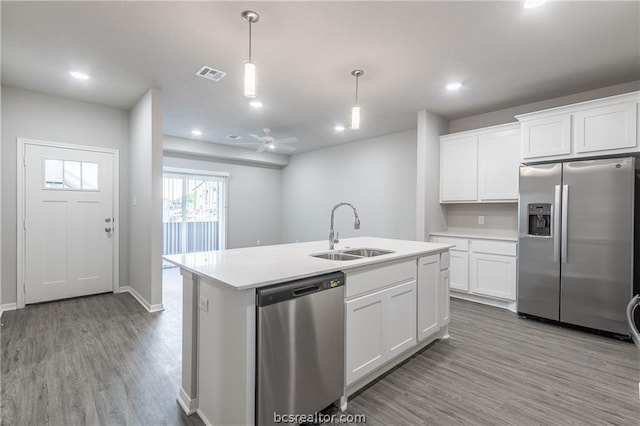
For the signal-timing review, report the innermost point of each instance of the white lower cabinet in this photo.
(459, 270)
(401, 318)
(482, 269)
(365, 335)
(428, 312)
(493, 275)
(378, 326)
(444, 298)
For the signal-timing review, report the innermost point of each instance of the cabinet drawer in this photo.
(461, 244)
(377, 277)
(506, 248)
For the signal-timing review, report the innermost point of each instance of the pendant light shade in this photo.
(250, 77)
(355, 117)
(250, 80)
(355, 109)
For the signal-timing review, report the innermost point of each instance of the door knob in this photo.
(107, 229)
(108, 219)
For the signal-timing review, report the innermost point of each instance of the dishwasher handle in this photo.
(301, 291)
(291, 290)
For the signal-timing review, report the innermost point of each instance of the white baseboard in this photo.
(504, 304)
(189, 405)
(7, 307)
(203, 418)
(148, 306)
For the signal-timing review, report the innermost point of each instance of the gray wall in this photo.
(376, 175)
(253, 211)
(33, 115)
(145, 238)
(430, 214)
(498, 216)
(506, 115)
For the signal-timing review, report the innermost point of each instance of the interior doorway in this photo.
(194, 211)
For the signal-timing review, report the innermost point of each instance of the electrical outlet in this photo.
(134, 201)
(481, 220)
(204, 304)
(257, 242)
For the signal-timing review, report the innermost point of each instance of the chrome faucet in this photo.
(356, 224)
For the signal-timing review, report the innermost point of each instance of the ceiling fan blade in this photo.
(286, 148)
(262, 147)
(286, 140)
(256, 136)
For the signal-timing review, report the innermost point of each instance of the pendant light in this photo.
(355, 109)
(250, 17)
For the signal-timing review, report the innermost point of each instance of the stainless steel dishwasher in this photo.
(300, 347)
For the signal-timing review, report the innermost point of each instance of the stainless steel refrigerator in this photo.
(576, 245)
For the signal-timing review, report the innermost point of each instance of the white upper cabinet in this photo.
(459, 169)
(605, 128)
(498, 165)
(602, 127)
(480, 165)
(546, 136)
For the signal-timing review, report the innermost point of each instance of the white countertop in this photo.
(253, 267)
(488, 234)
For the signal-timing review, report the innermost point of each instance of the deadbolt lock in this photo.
(108, 219)
(107, 229)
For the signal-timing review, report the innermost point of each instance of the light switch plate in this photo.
(481, 220)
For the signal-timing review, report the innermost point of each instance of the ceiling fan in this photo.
(269, 143)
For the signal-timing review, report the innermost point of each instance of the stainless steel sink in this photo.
(352, 254)
(367, 252)
(336, 255)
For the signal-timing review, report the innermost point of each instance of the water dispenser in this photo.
(540, 219)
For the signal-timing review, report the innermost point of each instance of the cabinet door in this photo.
(444, 298)
(365, 335)
(547, 136)
(428, 274)
(400, 318)
(459, 270)
(499, 165)
(606, 128)
(459, 169)
(493, 275)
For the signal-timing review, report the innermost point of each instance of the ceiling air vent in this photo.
(211, 73)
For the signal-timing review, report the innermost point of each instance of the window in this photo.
(194, 212)
(70, 175)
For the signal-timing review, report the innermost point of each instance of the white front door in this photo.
(69, 220)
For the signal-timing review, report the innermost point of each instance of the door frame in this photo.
(190, 171)
(20, 207)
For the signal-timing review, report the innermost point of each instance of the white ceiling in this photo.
(504, 54)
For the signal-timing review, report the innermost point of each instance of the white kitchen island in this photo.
(219, 314)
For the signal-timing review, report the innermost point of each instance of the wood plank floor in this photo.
(98, 360)
(500, 369)
(103, 360)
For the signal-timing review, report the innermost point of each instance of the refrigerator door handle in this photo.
(565, 217)
(555, 227)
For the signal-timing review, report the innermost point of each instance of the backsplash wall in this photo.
(496, 216)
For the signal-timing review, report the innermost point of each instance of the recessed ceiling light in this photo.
(530, 4)
(79, 75)
(454, 86)
(196, 132)
(256, 104)
(339, 128)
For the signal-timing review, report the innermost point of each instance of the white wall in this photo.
(430, 214)
(378, 176)
(254, 192)
(506, 115)
(33, 115)
(145, 237)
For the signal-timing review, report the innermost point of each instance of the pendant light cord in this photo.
(250, 21)
(357, 78)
